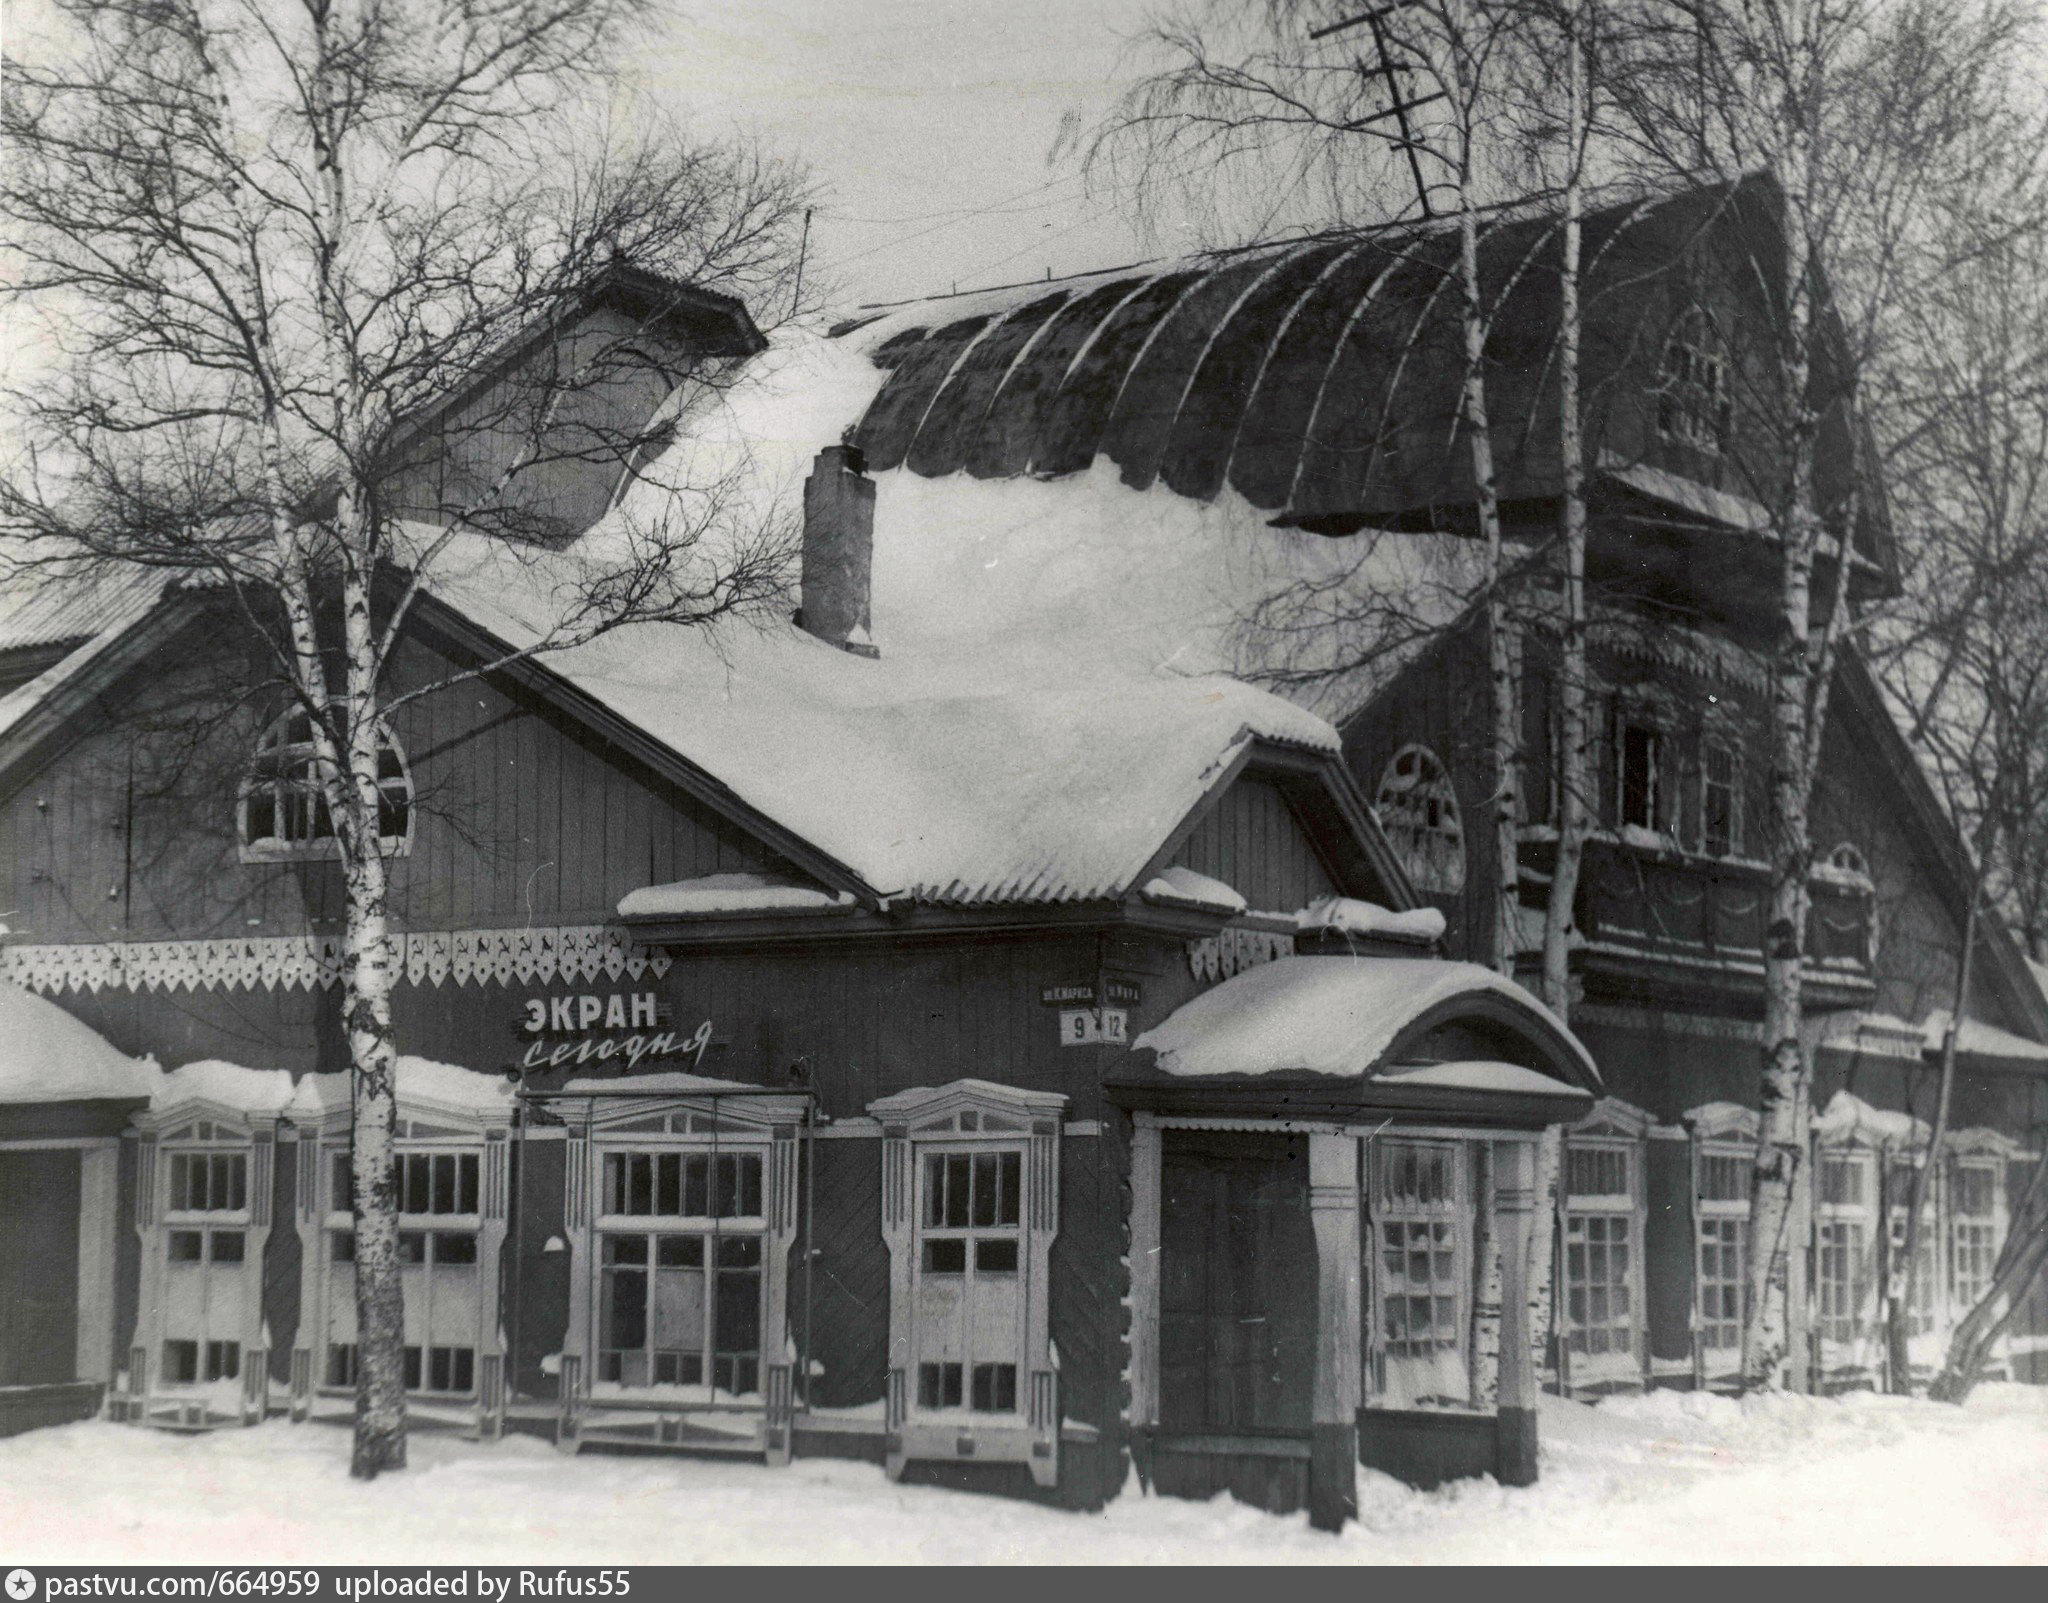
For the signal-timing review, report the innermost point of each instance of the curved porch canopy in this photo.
(1343, 1037)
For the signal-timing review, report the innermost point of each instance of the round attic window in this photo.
(1418, 809)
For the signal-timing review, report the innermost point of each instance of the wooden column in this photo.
(1145, 1155)
(99, 1231)
(1333, 1439)
(1514, 1203)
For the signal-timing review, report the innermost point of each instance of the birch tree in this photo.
(1859, 112)
(263, 240)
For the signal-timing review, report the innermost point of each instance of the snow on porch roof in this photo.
(46, 1055)
(1336, 1016)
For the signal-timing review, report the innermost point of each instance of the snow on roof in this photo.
(87, 612)
(717, 894)
(1323, 1015)
(671, 1082)
(227, 1085)
(1346, 916)
(1848, 1117)
(1873, 1034)
(1183, 887)
(445, 1084)
(46, 1055)
(1978, 1039)
(1019, 771)
(1482, 1076)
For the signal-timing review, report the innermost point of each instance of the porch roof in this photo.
(1339, 1033)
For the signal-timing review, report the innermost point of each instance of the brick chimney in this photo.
(839, 549)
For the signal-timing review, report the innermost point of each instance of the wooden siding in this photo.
(1252, 841)
(521, 818)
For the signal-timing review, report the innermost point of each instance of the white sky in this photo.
(928, 124)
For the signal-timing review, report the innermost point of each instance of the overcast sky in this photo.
(928, 123)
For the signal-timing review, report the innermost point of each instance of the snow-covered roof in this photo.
(673, 1082)
(1480, 1075)
(1345, 915)
(1183, 887)
(46, 1055)
(1848, 1118)
(1331, 1015)
(445, 1085)
(85, 613)
(720, 895)
(226, 1085)
(1977, 1039)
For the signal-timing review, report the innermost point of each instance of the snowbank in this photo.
(46, 1055)
(716, 894)
(1848, 1118)
(1346, 916)
(1668, 1478)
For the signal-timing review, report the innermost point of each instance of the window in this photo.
(1848, 859)
(1639, 774)
(1723, 1223)
(1720, 800)
(1418, 809)
(209, 1182)
(283, 806)
(1693, 402)
(970, 1230)
(428, 1182)
(1418, 1227)
(1599, 1250)
(681, 1305)
(1973, 1233)
(1843, 1232)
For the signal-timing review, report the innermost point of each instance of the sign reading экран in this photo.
(618, 1027)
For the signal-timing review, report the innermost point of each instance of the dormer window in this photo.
(1418, 809)
(283, 811)
(1693, 403)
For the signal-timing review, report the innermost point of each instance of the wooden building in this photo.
(971, 1029)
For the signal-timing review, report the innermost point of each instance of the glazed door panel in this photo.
(1237, 1283)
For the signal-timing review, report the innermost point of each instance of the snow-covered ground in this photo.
(1653, 1479)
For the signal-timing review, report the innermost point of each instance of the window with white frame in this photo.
(439, 1218)
(970, 1212)
(206, 1222)
(1694, 403)
(1417, 807)
(1722, 1285)
(282, 809)
(1600, 1250)
(679, 1266)
(1898, 1212)
(1844, 1208)
(1973, 1232)
(1420, 1221)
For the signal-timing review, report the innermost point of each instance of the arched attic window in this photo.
(1418, 808)
(1694, 401)
(282, 810)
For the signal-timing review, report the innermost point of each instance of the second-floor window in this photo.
(1418, 809)
(283, 811)
(1641, 773)
(1693, 401)
(1720, 799)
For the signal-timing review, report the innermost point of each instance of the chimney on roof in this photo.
(839, 549)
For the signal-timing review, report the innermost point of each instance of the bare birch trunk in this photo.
(1503, 744)
(1559, 924)
(1898, 1318)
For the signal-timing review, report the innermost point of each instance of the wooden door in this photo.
(39, 1201)
(1237, 1284)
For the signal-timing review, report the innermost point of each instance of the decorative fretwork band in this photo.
(1218, 957)
(303, 962)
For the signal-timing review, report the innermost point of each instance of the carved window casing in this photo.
(282, 811)
(1723, 1164)
(453, 1172)
(1845, 1233)
(970, 1209)
(203, 1214)
(1602, 1222)
(1419, 1213)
